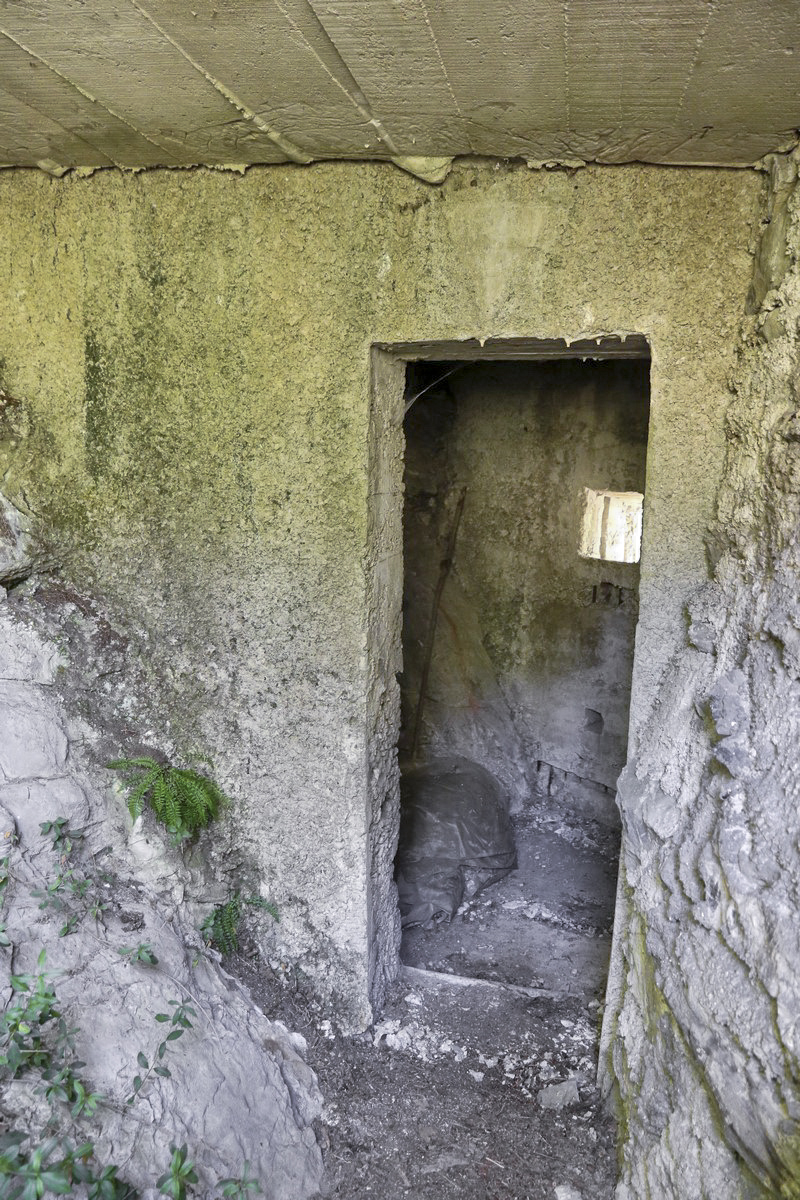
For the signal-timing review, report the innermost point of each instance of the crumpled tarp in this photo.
(456, 837)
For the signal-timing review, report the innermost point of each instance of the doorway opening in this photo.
(522, 517)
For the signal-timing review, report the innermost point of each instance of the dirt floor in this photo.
(547, 924)
(479, 1087)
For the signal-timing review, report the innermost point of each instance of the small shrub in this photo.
(179, 1021)
(25, 1024)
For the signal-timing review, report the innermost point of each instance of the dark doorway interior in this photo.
(529, 671)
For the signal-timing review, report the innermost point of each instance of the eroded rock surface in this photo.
(705, 1046)
(239, 1087)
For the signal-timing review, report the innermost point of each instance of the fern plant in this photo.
(221, 926)
(183, 800)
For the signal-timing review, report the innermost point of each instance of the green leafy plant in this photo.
(179, 1022)
(221, 926)
(63, 837)
(106, 1186)
(183, 800)
(24, 1024)
(30, 1174)
(54, 1167)
(74, 895)
(142, 953)
(181, 1171)
(65, 1086)
(240, 1187)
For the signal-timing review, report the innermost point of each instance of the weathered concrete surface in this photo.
(137, 84)
(533, 653)
(705, 1042)
(559, 628)
(192, 351)
(239, 1086)
(465, 711)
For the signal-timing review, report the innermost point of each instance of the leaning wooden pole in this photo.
(444, 571)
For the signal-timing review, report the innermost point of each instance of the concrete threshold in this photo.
(436, 979)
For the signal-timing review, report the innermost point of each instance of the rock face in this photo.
(239, 1088)
(706, 1046)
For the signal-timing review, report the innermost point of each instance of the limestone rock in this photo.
(706, 1030)
(239, 1087)
(559, 1095)
(16, 554)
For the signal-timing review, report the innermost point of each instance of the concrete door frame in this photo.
(384, 563)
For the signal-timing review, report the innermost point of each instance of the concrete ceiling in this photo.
(97, 83)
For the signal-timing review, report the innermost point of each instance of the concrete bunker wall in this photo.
(203, 445)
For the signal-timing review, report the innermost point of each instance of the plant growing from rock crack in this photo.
(62, 835)
(35, 1037)
(241, 1187)
(182, 799)
(179, 1022)
(5, 940)
(181, 1171)
(142, 953)
(23, 1031)
(34, 1034)
(72, 893)
(30, 1174)
(54, 1167)
(221, 927)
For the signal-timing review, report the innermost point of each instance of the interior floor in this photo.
(548, 924)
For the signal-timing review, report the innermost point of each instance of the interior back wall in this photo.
(559, 627)
(191, 356)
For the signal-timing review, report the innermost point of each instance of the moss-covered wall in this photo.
(192, 355)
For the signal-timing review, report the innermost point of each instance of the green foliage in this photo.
(142, 953)
(75, 896)
(26, 1023)
(63, 837)
(221, 926)
(181, 1171)
(30, 1174)
(35, 1037)
(34, 1034)
(241, 1187)
(54, 1167)
(73, 893)
(65, 1086)
(106, 1186)
(182, 800)
(179, 1022)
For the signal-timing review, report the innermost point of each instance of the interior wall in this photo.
(559, 628)
(465, 710)
(195, 444)
(534, 649)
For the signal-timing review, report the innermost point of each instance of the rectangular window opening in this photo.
(611, 526)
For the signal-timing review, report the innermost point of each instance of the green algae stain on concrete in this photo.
(99, 407)
(198, 355)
